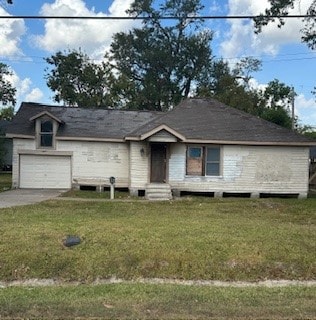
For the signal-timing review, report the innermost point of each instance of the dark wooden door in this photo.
(158, 163)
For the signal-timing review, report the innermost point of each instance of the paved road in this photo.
(20, 197)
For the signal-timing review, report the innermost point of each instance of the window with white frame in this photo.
(203, 161)
(46, 134)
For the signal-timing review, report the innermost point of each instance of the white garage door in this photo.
(45, 172)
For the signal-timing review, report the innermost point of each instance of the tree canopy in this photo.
(281, 8)
(78, 81)
(7, 113)
(158, 65)
(152, 67)
(7, 91)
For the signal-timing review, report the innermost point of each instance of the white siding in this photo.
(19, 144)
(177, 162)
(90, 160)
(97, 161)
(139, 165)
(251, 169)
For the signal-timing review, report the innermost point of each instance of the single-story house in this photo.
(5, 147)
(200, 146)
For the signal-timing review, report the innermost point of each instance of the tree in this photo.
(309, 132)
(7, 113)
(232, 86)
(158, 65)
(78, 81)
(278, 98)
(7, 100)
(245, 67)
(7, 91)
(281, 8)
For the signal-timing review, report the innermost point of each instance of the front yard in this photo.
(197, 238)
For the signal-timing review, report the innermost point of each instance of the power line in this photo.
(31, 17)
(29, 59)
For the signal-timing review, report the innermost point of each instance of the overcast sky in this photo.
(24, 43)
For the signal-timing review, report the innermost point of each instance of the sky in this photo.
(25, 43)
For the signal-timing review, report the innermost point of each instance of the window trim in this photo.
(46, 134)
(204, 160)
(219, 162)
(40, 133)
(188, 158)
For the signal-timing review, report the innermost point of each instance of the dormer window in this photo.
(46, 127)
(46, 134)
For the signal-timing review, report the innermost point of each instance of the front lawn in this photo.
(140, 301)
(222, 239)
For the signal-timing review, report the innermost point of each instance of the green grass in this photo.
(89, 194)
(222, 239)
(140, 301)
(5, 181)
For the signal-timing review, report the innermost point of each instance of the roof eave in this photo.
(19, 136)
(253, 143)
(98, 139)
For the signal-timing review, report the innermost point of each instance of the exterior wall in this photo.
(246, 169)
(92, 162)
(139, 166)
(19, 144)
(98, 161)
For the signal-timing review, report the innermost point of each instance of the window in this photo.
(203, 161)
(194, 161)
(195, 152)
(46, 133)
(212, 162)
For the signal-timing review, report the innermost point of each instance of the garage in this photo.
(45, 171)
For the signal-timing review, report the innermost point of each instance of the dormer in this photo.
(46, 127)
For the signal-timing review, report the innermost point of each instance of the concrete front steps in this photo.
(158, 191)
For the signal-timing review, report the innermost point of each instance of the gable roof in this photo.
(158, 129)
(45, 113)
(195, 120)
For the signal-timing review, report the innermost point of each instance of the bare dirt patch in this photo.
(209, 283)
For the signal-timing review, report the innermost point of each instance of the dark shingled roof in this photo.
(79, 122)
(194, 119)
(208, 119)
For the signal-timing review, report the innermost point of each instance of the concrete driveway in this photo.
(20, 197)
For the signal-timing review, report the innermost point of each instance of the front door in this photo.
(158, 162)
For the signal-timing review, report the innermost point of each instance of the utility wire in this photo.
(30, 59)
(29, 17)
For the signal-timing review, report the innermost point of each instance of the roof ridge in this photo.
(37, 104)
